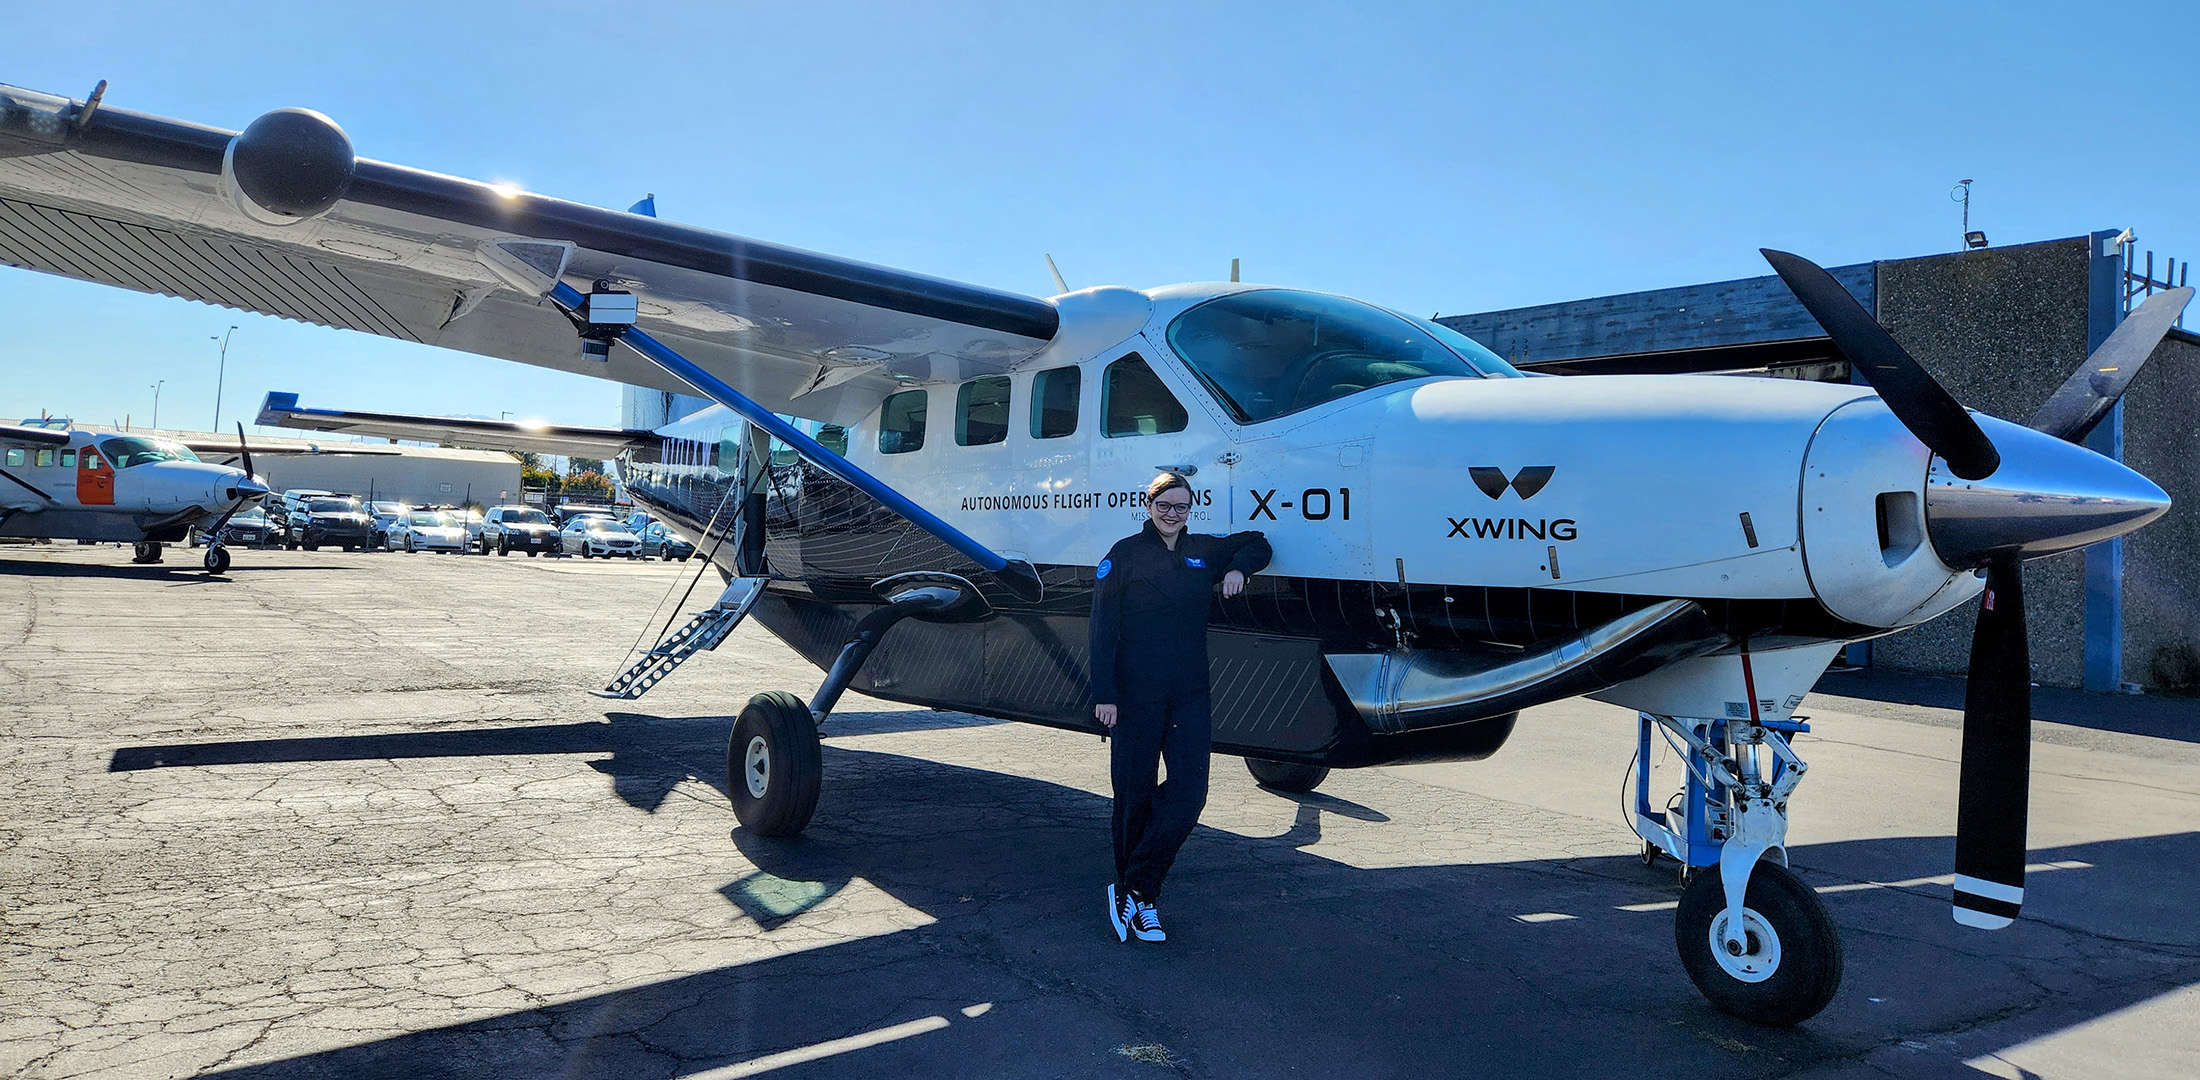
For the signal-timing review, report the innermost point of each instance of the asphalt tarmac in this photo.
(357, 816)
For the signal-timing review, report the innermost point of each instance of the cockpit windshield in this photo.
(128, 450)
(1269, 352)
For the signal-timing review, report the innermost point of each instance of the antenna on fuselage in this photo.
(1233, 270)
(1058, 282)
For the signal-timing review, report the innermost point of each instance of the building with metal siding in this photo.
(2001, 328)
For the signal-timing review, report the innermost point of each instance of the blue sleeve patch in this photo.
(1105, 566)
(1192, 562)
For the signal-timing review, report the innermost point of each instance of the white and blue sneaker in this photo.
(1121, 910)
(1146, 921)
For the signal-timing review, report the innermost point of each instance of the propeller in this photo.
(2083, 401)
(1923, 406)
(1994, 792)
(242, 492)
(1993, 800)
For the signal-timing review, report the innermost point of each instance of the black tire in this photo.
(531, 553)
(310, 546)
(1807, 968)
(504, 547)
(777, 797)
(1286, 776)
(217, 560)
(665, 553)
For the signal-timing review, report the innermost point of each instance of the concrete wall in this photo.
(2001, 329)
(419, 475)
(2162, 561)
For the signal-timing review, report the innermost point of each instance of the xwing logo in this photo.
(1493, 483)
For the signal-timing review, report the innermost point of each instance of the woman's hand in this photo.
(1105, 714)
(1233, 583)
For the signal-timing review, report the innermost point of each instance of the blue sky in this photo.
(1434, 157)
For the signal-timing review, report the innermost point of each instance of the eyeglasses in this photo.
(1171, 509)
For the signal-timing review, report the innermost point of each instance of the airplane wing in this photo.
(283, 410)
(284, 219)
(216, 448)
(11, 435)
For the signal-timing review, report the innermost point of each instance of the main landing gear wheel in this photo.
(1286, 776)
(774, 765)
(1790, 962)
(145, 552)
(217, 560)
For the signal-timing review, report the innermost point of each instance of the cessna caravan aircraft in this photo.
(147, 490)
(1454, 542)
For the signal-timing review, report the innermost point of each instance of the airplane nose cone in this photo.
(2048, 496)
(247, 488)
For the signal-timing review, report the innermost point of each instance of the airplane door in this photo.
(95, 479)
(1150, 420)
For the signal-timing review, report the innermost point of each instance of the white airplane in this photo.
(148, 490)
(1454, 542)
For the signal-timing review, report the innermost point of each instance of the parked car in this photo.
(506, 529)
(659, 543)
(590, 535)
(248, 527)
(565, 513)
(290, 503)
(468, 519)
(426, 530)
(637, 521)
(384, 513)
(336, 521)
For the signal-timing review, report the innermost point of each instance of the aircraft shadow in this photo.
(175, 572)
(645, 750)
(1280, 959)
(2155, 715)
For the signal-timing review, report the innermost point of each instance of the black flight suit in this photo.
(1149, 659)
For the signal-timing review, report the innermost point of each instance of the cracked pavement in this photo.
(356, 815)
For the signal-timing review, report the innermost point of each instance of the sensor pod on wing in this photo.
(289, 165)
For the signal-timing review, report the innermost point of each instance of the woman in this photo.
(1149, 687)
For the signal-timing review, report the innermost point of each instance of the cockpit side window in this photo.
(1270, 352)
(128, 450)
(1137, 402)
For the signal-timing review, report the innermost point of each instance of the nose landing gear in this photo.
(1755, 940)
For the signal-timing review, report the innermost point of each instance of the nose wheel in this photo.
(1783, 966)
(217, 559)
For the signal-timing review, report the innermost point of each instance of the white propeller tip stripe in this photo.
(1980, 919)
(1991, 890)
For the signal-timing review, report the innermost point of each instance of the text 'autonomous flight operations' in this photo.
(1454, 542)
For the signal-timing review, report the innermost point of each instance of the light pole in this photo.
(156, 404)
(219, 372)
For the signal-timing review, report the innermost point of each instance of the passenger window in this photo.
(68, 459)
(901, 423)
(16, 457)
(833, 437)
(1137, 402)
(93, 462)
(1054, 402)
(45, 459)
(981, 411)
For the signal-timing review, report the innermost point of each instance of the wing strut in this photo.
(1016, 574)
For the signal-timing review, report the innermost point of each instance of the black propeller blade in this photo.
(2083, 401)
(1993, 801)
(1923, 406)
(244, 450)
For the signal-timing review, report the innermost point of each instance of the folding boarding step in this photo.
(702, 632)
